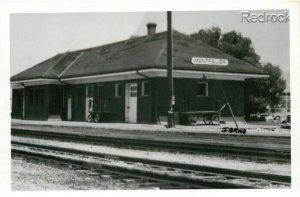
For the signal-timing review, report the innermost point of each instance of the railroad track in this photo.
(260, 155)
(103, 173)
(167, 174)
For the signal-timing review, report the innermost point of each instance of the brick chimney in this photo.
(151, 28)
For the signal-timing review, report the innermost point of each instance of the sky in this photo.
(37, 37)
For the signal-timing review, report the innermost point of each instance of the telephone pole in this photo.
(170, 70)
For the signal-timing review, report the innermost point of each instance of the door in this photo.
(89, 100)
(131, 103)
(69, 113)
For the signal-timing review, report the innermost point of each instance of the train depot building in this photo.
(127, 81)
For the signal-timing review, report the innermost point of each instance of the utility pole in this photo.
(170, 70)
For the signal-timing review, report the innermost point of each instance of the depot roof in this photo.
(136, 53)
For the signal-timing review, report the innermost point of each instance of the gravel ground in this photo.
(203, 160)
(33, 176)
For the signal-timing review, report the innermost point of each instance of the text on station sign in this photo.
(209, 61)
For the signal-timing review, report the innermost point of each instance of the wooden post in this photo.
(170, 70)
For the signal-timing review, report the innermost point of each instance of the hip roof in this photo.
(135, 54)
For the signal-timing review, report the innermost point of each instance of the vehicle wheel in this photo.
(277, 118)
(97, 118)
(207, 119)
(90, 119)
(215, 119)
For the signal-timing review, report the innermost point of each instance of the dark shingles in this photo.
(38, 70)
(137, 53)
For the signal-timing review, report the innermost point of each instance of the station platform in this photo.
(263, 136)
(252, 129)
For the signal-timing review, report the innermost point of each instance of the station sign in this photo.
(209, 61)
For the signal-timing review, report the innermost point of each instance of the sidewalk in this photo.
(252, 130)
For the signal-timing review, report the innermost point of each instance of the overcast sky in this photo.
(36, 37)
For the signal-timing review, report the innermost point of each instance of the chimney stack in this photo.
(151, 28)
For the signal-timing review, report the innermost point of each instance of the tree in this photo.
(240, 47)
(259, 93)
(210, 36)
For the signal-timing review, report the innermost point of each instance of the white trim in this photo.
(69, 108)
(116, 90)
(62, 56)
(223, 73)
(131, 103)
(204, 72)
(88, 108)
(101, 75)
(69, 66)
(152, 72)
(32, 80)
(17, 86)
(143, 88)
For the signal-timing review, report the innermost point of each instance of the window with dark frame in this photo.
(90, 91)
(133, 91)
(201, 89)
(145, 88)
(118, 90)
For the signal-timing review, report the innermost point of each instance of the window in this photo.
(118, 90)
(133, 90)
(90, 91)
(201, 89)
(145, 88)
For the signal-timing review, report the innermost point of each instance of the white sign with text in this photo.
(209, 61)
